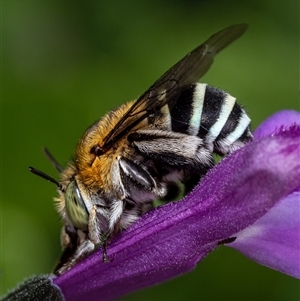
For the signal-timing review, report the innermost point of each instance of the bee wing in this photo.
(168, 87)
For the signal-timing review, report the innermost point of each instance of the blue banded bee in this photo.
(140, 151)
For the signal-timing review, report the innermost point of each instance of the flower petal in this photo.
(173, 238)
(274, 239)
(276, 122)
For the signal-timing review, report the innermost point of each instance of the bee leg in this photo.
(104, 253)
(227, 240)
(99, 228)
(174, 149)
(69, 241)
(83, 250)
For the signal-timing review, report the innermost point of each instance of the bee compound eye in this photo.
(75, 206)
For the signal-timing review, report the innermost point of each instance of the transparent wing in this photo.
(168, 87)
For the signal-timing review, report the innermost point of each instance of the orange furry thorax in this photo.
(94, 170)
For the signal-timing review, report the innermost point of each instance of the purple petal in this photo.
(172, 239)
(276, 122)
(274, 239)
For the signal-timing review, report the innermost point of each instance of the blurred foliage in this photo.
(65, 64)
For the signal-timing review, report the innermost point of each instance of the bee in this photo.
(143, 149)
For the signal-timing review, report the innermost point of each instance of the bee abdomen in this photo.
(212, 115)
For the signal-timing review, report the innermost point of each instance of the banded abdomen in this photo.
(212, 115)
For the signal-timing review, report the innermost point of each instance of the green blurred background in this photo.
(66, 63)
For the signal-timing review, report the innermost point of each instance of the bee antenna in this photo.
(52, 160)
(46, 177)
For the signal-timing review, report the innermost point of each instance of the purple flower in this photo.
(252, 194)
(274, 239)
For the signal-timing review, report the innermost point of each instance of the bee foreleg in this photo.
(83, 250)
(99, 227)
(99, 224)
(104, 254)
